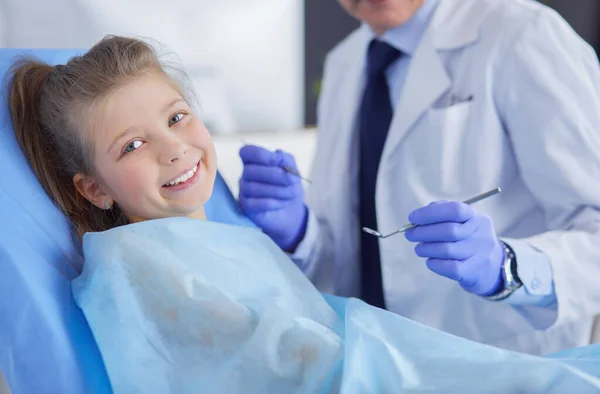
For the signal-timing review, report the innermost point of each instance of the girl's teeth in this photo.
(185, 177)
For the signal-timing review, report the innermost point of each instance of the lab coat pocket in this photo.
(447, 137)
(452, 118)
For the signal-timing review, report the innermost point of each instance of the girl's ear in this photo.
(91, 190)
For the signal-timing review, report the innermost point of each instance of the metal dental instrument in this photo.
(292, 171)
(409, 226)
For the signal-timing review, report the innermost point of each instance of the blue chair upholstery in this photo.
(46, 345)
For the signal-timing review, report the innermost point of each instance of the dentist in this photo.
(441, 100)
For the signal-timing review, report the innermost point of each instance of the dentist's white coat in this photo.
(532, 128)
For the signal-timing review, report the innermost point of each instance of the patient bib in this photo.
(182, 306)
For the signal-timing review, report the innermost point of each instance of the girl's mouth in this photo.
(185, 180)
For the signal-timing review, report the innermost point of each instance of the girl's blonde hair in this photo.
(51, 108)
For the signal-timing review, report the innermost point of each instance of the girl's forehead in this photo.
(151, 87)
(139, 101)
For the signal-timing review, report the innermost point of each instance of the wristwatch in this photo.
(509, 275)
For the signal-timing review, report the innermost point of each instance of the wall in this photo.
(326, 24)
(246, 57)
(583, 15)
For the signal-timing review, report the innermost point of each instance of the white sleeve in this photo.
(303, 253)
(548, 96)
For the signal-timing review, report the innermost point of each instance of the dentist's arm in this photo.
(549, 98)
(548, 95)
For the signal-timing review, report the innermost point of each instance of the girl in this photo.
(181, 305)
(112, 137)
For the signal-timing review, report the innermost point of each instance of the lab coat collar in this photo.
(427, 78)
(449, 26)
(454, 24)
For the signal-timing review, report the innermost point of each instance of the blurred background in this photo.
(255, 65)
(245, 58)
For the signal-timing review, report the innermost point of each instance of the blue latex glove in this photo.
(459, 243)
(272, 197)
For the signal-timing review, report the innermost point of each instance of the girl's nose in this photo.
(172, 149)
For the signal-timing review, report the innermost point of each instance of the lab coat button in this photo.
(535, 284)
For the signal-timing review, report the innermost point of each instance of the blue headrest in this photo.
(46, 345)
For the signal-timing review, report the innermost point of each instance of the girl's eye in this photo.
(132, 146)
(175, 119)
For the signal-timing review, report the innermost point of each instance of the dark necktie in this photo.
(374, 121)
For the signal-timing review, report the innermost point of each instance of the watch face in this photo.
(512, 261)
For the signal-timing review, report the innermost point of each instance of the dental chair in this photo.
(46, 345)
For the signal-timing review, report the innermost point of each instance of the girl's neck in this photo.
(199, 214)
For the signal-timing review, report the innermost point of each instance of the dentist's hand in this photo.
(272, 197)
(460, 243)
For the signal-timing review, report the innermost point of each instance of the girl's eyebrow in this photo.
(172, 103)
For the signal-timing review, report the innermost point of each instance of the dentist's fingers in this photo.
(461, 250)
(258, 205)
(264, 190)
(268, 175)
(439, 212)
(442, 232)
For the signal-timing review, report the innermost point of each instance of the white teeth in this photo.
(184, 177)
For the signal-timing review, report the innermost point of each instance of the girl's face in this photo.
(152, 155)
